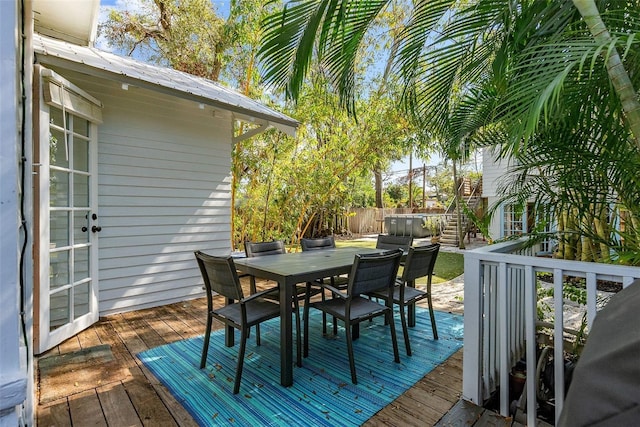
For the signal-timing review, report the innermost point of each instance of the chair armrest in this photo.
(335, 291)
(260, 294)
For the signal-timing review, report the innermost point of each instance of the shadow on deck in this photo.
(95, 378)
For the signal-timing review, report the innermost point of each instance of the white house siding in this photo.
(164, 192)
(492, 171)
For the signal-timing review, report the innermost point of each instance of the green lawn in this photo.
(448, 265)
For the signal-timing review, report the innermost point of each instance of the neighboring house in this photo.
(112, 173)
(507, 221)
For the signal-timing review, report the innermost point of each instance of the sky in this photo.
(221, 5)
(398, 168)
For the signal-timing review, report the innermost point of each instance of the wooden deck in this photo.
(106, 385)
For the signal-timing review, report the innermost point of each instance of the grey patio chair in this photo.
(340, 282)
(369, 272)
(321, 243)
(220, 277)
(389, 241)
(419, 263)
(317, 243)
(258, 249)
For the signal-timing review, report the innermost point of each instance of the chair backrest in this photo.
(420, 262)
(220, 276)
(388, 241)
(373, 272)
(254, 249)
(318, 243)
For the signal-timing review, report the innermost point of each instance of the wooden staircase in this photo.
(449, 236)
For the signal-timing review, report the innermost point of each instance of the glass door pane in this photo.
(71, 301)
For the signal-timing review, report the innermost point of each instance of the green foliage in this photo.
(312, 178)
(397, 194)
(433, 224)
(187, 35)
(561, 82)
(538, 81)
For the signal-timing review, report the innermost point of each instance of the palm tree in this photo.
(520, 72)
(617, 73)
(577, 134)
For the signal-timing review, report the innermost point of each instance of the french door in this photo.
(66, 297)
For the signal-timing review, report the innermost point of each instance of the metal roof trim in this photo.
(166, 80)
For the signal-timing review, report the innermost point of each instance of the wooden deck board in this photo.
(150, 408)
(150, 330)
(138, 398)
(89, 338)
(117, 407)
(54, 414)
(86, 410)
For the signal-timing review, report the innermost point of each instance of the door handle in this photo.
(96, 229)
(84, 229)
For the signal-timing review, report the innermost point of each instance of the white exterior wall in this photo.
(492, 172)
(164, 192)
(13, 357)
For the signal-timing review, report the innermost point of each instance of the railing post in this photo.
(530, 325)
(504, 292)
(472, 353)
(558, 340)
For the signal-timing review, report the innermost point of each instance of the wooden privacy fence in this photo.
(371, 220)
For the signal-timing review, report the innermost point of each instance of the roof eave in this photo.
(287, 126)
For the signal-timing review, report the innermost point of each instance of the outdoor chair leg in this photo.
(296, 309)
(433, 318)
(405, 331)
(243, 343)
(253, 290)
(205, 347)
(305, 337)
(324, 315)
(394, 339)
(352, 363)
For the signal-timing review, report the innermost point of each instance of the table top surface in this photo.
(297, 263)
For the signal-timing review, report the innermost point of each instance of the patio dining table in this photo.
(288, 270)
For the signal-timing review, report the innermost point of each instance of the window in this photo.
(512, 221)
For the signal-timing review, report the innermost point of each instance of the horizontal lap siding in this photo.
(164, 191)
(493, 172)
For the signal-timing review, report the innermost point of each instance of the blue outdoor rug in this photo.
(322, 393)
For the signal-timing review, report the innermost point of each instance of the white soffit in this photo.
(72, 20)
(129, 71)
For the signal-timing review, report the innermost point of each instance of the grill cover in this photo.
(605, 390)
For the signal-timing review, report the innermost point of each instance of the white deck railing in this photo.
(500, 317)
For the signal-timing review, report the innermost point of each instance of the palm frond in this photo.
(287, 48)
(336, 28)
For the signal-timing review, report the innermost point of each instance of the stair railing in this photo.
(449, 212)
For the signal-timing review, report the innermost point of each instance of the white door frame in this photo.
(55, 92)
